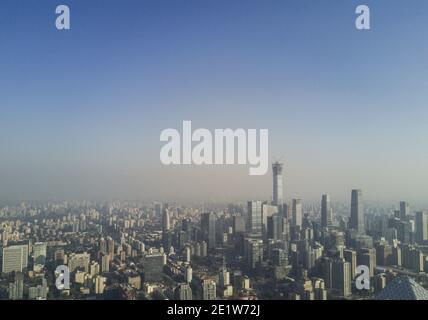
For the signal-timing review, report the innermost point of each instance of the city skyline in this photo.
(267, 250)
(213, 157)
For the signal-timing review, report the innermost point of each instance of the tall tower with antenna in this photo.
(278, 191)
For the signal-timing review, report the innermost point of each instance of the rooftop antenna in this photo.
(278, 159)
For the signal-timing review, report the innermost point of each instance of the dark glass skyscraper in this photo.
(326, 213)
(357, 211)
(404, 210)
(208, 228)
(255, 217)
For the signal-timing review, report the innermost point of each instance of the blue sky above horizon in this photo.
(81, 111)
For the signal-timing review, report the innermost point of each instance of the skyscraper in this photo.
(337, 276)
(39, 291)
(189, 274)
(79, 260)
(421, 222)
(15, 258)
(153, 267)
(208, 228)
(267, 212)
(255, 217)
(278, 191)
(100, 284)
(224, 278)
(105, 263)
(238, 224)
(166, 232)
(253, 251)
(326, 212)
(39, 255)
(342, 277)
(183, 292)
(110, 247)
(158, 209)
(102, 245)
(357, 212)
(297, 212)
(404, 210)
(165, 220)
(367, 257)
(412, 258)
(277, 227)
(209, 290)
(16, 288)
(351, 257)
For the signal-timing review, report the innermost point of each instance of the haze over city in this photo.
(81, 111)
(211, 158)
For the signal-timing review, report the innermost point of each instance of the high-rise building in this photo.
(110, 247)
(279, 257)
(188, 254)
(277, 227)
(341, 280)
(134, 280)
(278, 191)
(357, 211)
(384, 254)
(412, 258)
(253, 250)
(189, 274)
(153, 267)
(100, 284)
(351, 257)
(208, 221)
(209, 290)
(102, 245)
(224, 278)
(16, 288)
(320, 293)
(94, 268)
(326, 212)
(303, 287)
(15, 258)
(158, 209)
(267, 212)
(379, 282)
(105, 263)
(40, 291)
(204, 249)
(183, 292)
(255, 218)
(297, 212)
(238, 224)
(165, 220)
(79, 260)
(39, 255)
(421, 225)
(403, 229)
(404, 210)
(367, 257)
(397, 259)
(59, 256)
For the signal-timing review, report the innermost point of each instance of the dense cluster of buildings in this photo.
(261, 250)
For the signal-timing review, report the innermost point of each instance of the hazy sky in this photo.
(81, 111)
